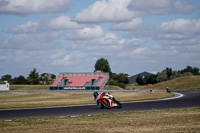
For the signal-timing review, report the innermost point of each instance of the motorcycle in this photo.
(106, 100)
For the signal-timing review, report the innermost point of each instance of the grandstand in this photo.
(80, 81)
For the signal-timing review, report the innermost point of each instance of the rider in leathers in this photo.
(97, 95)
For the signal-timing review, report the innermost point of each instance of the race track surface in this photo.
(189, 99)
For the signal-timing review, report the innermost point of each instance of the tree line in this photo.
(33, 78)
(121, 79)
(167, 74)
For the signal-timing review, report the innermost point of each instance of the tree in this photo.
(33, 77)
(19, 80)
(7, 77)
(194, 70)
(47, 78)
(121, 77)
(103, 65)
(162, 76)
(116, 83)
(168, 72)
(151, 79)
(140, 80)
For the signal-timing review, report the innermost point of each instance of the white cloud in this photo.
(63, 23)
(58, 24)
(30, 42)
(180, 31)
(86, 33)
(132, 53)
(109, 46)
(184, 26)
(29, 27)
(133, 42)
(109, 38)
(179, 7)
(62, 44)
(161, 6)
(32, 6)
(131, 25)
(63, 60)
(106, 11)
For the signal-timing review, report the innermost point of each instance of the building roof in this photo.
(132, 79)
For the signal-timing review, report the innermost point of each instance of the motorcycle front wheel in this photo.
(119, 105)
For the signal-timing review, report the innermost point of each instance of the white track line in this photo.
(171, 98)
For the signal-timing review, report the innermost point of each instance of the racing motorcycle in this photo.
(106, 100)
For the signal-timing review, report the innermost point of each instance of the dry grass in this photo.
(31, 100)
(112, 87)
(11, 100)
(154, 121)
(127, 96)
(182, 83)
(29, 87)
(135, 87)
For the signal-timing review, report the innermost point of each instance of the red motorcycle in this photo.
(106, 100)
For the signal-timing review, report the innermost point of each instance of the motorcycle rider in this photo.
(97, 96)
(167, 89)
(113, 102)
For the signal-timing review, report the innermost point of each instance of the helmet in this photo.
(95, 94)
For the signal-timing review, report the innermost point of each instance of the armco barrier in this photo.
(56, 88)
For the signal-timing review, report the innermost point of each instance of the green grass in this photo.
(154, 121)
(11, 100)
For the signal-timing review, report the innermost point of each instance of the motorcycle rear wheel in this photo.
(105, 103)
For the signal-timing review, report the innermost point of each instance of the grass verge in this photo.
(154, 121)
(10, 100)
(29, 87)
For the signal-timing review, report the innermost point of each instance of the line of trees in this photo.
(33, 78)
(167, 74)
(121, 79)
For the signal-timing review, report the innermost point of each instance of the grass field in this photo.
(10, 100)
(29, 87)
(185, 120)
(135, 87)
(182, 83)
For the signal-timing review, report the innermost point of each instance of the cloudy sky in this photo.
(71, 35)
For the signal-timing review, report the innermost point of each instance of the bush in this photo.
(116, 83)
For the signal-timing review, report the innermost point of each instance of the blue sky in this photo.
(71, 35)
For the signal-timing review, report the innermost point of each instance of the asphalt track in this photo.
(188, 99)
